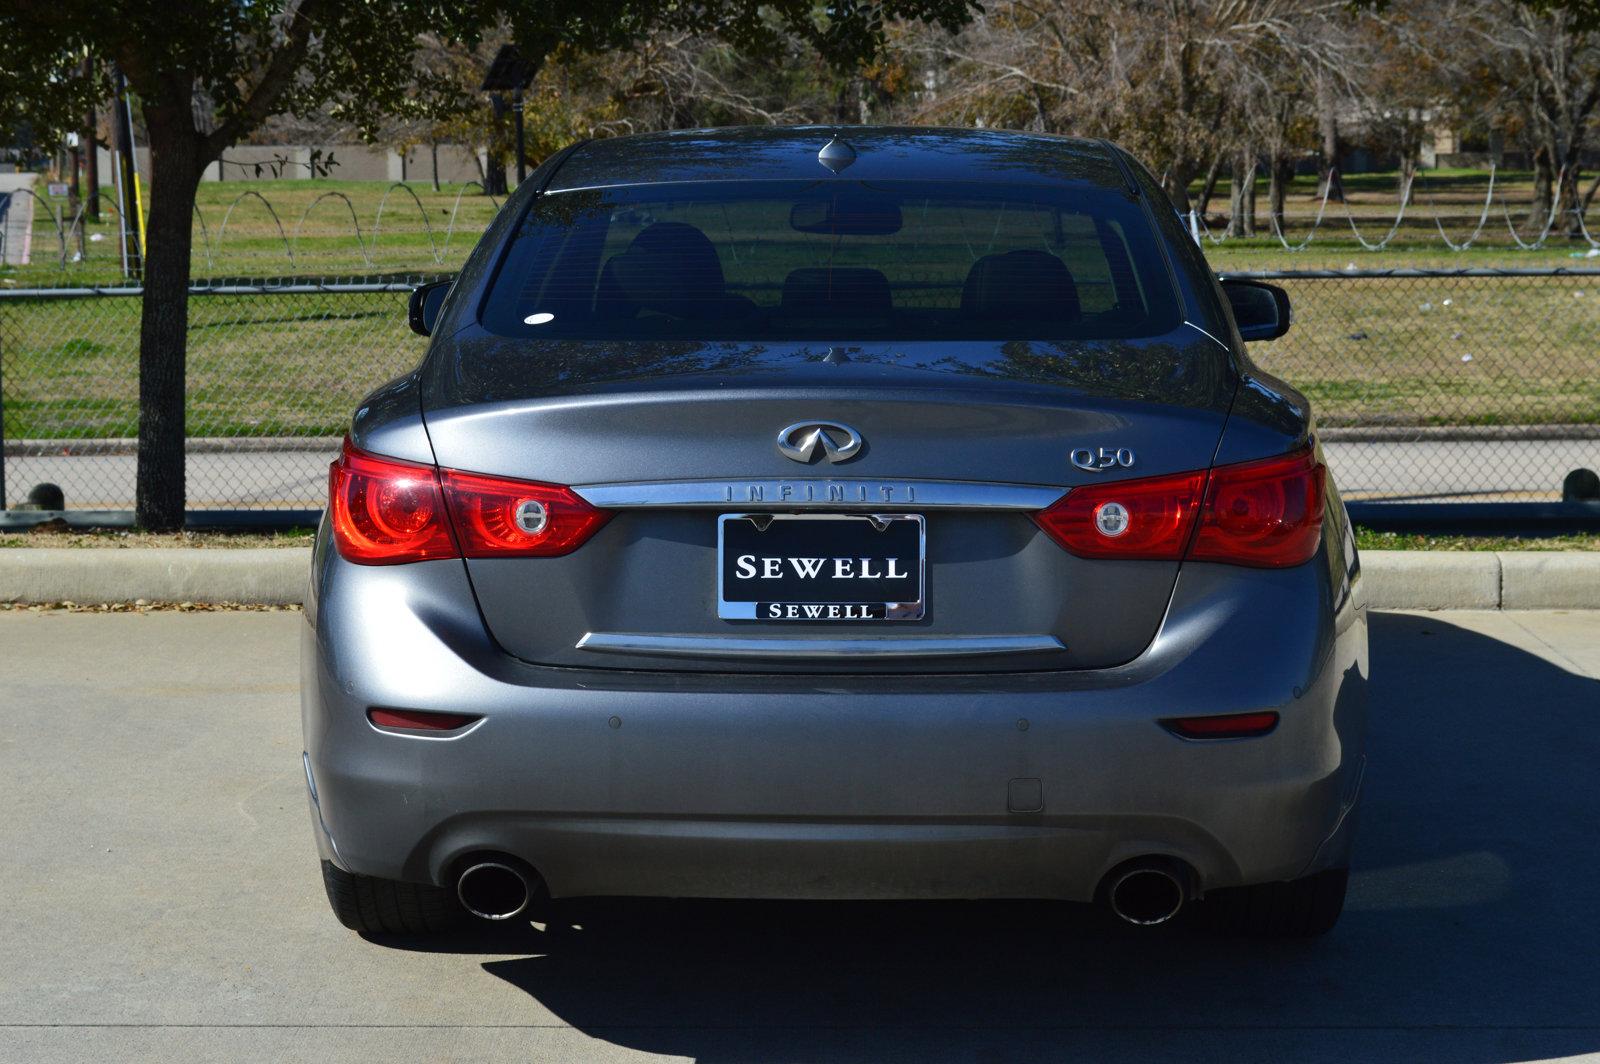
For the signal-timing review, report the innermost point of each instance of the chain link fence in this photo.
(1446, 385)
(274, 373)
(1468, 385)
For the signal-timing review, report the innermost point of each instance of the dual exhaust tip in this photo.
(497, 888)
(1149, 891)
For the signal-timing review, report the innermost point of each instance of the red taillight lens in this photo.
(1266, 513)
(385, 511)
(1230, 726)
(419, 720)
(1148, 518)
(495, 517)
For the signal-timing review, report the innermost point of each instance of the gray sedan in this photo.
(783, 514)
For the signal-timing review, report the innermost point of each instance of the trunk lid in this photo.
(671, 437)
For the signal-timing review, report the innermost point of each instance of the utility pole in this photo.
(522, 158)
(510, 73)
(127, 198)
(496, 184)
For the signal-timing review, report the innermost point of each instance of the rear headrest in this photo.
(1025, 283)
(671, 267)
(836, 290)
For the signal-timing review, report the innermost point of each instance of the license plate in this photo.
(820, 567)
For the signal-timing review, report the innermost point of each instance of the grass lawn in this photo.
(258, 365)
(115, 539)
(305, 228)
(1433, 351)
(326, 227)
(1367, 539)
(1444, 351)
(1451, 200)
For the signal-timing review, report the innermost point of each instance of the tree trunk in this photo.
(1588, 197)
(1176, 184)
(1410, 158)
(1250, 194)
(1543, 190)
(1241, 197)
(433, 147)
(1278, 179)
(176, 164)
(1571, 202)
(1328, 126)
(1208, 188)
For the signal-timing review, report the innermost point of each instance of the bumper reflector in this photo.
(419, 720)
(1229, 726)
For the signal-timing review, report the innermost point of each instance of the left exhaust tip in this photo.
(494, 890)
(1148, 893)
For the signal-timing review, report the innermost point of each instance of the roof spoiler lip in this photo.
(1129, 185)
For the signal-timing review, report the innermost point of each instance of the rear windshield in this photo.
(833, 260)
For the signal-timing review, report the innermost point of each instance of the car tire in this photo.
(388, 907)
(1300, 908)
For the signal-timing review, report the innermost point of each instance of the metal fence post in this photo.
(3, 505)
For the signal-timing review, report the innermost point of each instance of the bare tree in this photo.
(1550, 60)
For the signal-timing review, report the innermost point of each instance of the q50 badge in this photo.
(1098, 461)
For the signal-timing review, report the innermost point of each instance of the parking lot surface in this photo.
(159, 897)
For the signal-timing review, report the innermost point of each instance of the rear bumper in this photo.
(1019, 785)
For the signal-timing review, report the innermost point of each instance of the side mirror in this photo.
(1260, 310)
(425, 303)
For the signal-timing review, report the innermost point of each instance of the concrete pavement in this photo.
(1478, 470)
(159, 897)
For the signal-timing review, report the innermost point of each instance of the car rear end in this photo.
(836, 535)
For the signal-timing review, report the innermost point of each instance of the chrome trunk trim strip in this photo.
(820, 493)
(877, 648)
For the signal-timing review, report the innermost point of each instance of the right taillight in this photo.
(1266, 514)
(1151, 518)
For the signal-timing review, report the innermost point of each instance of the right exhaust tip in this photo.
(494, 890)
(1148, 893)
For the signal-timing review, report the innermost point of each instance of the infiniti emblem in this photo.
(802, 440)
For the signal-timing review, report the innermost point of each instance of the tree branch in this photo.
(275, 80)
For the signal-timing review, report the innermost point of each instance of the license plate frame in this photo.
(868, 608)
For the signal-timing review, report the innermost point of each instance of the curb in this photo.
(268, 576)
(276, 576)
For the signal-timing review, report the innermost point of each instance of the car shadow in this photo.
(1470, 930)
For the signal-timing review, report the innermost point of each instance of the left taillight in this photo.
(384, 512)
(495, 517)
